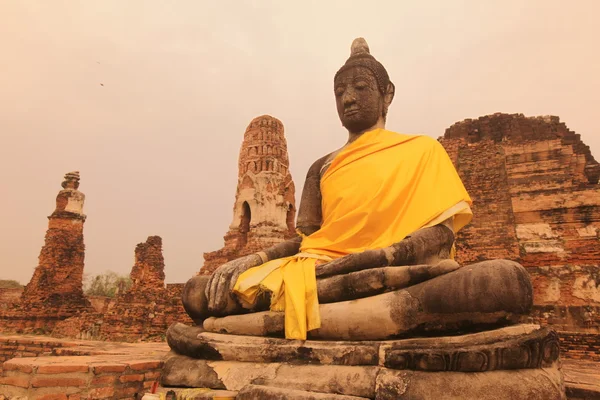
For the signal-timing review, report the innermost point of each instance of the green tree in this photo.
(9, 284)
(106, 284)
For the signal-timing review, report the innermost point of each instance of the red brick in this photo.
(50, 381)
(53, 397)
(152, 375)
(26, 368)
(104, 380)
(144, 365)
(20, 381)
(61, 368)
(102, 393)
(131, 378)
(131, 390)
(104, 368)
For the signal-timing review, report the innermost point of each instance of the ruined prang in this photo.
(265, 207)
(536, 200)
(55, 292)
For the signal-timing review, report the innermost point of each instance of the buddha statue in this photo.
(367, 301)
(376, 217)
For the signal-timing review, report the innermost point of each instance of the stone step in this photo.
(196, 394)
(253, 392)
(368, 382)
(519, 346)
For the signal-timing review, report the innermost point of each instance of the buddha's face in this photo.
(358, 99)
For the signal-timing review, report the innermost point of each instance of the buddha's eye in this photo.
(339, 91)
(361, 85)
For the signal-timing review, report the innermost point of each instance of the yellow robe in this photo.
(377, 190)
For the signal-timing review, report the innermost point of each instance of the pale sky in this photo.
(157, 145)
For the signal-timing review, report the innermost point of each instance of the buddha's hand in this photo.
(220, 285)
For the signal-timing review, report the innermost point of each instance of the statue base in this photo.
(516, 362)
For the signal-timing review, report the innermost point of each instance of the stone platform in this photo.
(517, 362)
(62, 358)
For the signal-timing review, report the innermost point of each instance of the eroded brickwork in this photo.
(148, 272)
(536, 200)
(144, 312)
(55, 292)
(265, 207)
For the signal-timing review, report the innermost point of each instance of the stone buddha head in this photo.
(363, 90)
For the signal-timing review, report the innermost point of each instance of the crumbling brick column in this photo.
(55, 291)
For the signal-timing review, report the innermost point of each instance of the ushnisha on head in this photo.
(363, 89)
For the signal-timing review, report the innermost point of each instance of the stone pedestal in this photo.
(517, 362)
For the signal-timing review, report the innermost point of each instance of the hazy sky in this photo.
(157, 145)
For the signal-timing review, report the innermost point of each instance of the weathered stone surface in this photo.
(199, 393)
(373, 281)
(514, 347)
(347, 380)
(452, 302)
(253, 392)
(55, 291)
(517, 347)
(194, 342)
(535, 384)
(265, 206)
(367, 382)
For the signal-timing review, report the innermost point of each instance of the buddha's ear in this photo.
(388, 97)
(389, 94)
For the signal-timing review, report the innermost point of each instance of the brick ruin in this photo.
(143, 312)
(53, 301)
(536, 200)
(265, 207)
(55, 292)
(147, 309)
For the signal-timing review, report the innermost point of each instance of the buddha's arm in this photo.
(425, 246)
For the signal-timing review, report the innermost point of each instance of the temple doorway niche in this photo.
(290, 218)
(245, 223)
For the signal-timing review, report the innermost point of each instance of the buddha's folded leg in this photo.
(370, 282)
(485, 294)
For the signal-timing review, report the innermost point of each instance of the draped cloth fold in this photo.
(377, 190)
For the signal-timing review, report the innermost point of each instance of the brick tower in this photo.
(265, 208)
(55, 291)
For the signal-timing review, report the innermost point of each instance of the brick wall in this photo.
(581, 346)
(85, 378)
(536, 200)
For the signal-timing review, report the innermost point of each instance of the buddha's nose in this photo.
(348, 98)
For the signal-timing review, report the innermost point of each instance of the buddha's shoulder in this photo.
(423, 141)
(318, 166)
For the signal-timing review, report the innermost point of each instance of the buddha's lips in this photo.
(351, 112)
